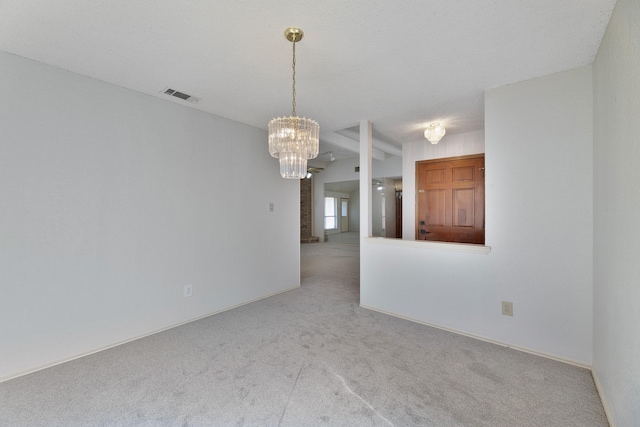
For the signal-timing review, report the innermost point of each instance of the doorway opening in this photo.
(342, 207)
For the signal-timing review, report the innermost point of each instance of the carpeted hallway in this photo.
(307, 357)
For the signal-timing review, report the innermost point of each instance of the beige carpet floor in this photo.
(308, 357)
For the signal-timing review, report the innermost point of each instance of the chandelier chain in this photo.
(293, 87)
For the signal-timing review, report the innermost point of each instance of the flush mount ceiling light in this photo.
(434, 132)
(293, 140)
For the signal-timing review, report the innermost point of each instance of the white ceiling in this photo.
(400, 64)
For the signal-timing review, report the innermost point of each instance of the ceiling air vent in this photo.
(181, 95)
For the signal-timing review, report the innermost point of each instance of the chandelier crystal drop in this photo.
(293, 140)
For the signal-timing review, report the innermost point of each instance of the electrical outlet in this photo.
(507, 308)
(271, 207)
(188, 290)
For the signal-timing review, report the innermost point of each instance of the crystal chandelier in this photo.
(293, 140)
(434, 133)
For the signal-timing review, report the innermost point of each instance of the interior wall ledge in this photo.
(440, 246)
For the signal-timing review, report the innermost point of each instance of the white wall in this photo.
(616, 358)
(450, 146)
(390, 206)
(354, 211)
(538, 224)
(344, 170)
(112, 201)
(376, 212)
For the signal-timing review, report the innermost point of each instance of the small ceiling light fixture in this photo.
(293, 140)
(332, 158)
(434, 132)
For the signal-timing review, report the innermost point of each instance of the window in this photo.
(450, 199)
(330, 213)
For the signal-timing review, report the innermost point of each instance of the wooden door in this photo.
(344, 215)
(450, 199)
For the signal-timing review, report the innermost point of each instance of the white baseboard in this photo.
(481, 338)
(137, 337)
(607, 411)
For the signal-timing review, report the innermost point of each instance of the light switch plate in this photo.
(507, 308)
